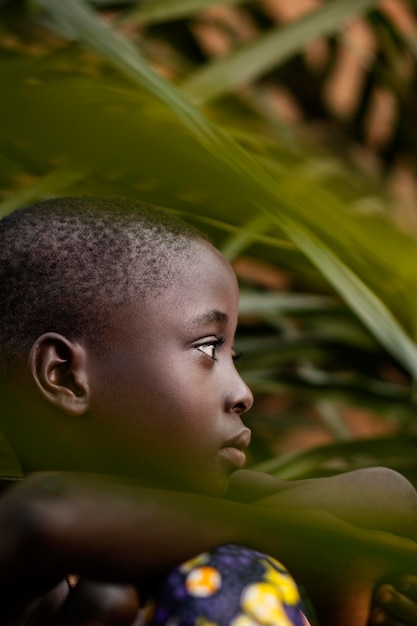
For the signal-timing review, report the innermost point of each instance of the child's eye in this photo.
(210, 348)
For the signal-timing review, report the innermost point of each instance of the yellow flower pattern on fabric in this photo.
(283, 582)
(230, 586)
(244, 620)
(263, 603)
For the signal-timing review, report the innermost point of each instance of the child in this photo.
(116, 334)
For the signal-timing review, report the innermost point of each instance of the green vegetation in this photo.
(328, 278)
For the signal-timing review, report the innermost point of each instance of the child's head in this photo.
(118, 313)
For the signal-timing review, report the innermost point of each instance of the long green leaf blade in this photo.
(270, 50)
(154, 11)
(56, 182)
(369, 308)
(256, 186)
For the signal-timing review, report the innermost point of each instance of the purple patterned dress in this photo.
(229, 586)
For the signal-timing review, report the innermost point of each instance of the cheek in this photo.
(122, 392)
(189, 404)
(170, 395)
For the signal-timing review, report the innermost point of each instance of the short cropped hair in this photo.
(65, 262)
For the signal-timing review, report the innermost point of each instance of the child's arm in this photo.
(55, 524)
(372, 498)
(377, 498)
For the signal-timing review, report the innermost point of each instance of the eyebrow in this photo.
(209, 317)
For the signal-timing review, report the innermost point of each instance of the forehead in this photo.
(203, 291)
(205, 264)
(205, 273)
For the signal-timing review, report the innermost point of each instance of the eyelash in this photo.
(214, 345)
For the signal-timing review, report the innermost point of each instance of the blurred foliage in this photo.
(283, 133)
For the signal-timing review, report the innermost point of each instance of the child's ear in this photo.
(59, 370)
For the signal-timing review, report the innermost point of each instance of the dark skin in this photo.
(171, 358)
(60, 523)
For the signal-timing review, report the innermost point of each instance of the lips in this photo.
(233, 449)
(240, 441)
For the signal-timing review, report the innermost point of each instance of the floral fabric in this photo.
(229, 586)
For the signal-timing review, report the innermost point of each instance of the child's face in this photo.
(169, 375)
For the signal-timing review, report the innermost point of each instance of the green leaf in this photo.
(281, 303)
(110, 3)
(56, 182)
(287, 199)
(118, 50)
(154, 11)
(369, 308)
(241, 236)
(297, 465)
(235, 245)
(269, 50)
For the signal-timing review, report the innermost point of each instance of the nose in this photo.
(239, 398)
